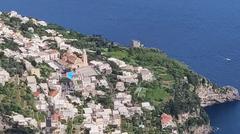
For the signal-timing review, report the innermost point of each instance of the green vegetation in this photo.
(38, 29)
(11, 66)
(69, 127)
(148, 122)
(18, 98)
(155, 92)
(150, 92)
(79, 40)
(168, 70)
(13, 22)
(171, 92)
(169, 76)
(121, 54)
(105, 100)
(78, 119)
(9, 44)
(184, 101)
(20, 130)
(52, 44)
(45, 70)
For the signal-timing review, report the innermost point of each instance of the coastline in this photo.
(210, 96)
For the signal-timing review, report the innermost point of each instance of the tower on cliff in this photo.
(85, 58)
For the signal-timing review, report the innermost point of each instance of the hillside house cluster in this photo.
(97, 118)
(73, 73)
(72, 61)
(23, 121)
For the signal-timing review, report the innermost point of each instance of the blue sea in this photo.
(205, 34)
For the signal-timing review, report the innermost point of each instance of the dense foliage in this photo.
(18, 98)
(45, 69)
(11, 65)
(9, 44)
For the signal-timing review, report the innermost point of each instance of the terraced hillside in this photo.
(173, 91)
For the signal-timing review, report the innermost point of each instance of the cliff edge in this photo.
(210, 96)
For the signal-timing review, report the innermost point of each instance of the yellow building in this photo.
(36, 71)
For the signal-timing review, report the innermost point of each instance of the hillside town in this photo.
(71, 90)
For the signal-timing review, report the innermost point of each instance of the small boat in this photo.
(228, 59)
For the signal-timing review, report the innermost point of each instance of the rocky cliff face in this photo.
(184, 119)
(204, 129)
(210, 96)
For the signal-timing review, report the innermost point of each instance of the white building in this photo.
(128, 77)
(32, 83)
(136, 44)
(146, 75)
(22, 121)
(147, 106)
(4, 76)
(120, 86)
(118, 62)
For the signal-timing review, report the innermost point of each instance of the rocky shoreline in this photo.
(210, 96)
(204, 129)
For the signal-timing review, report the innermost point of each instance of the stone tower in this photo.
(85, 58)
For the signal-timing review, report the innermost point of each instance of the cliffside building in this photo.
(136, 44)
(74, 61)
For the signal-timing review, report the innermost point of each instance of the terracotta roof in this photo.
(165, 118)
(53, 93)
(71, 59)
(37, 93)
(55, 117)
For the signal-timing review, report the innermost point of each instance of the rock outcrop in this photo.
(194, 129)
(210, 96)
(4, 124)
(204, 129)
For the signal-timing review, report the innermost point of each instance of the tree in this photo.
(69, 127)
(34, 63)
(65, 80)
(78, 119)
(1, 54)
(98, 52)
(105, 100)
